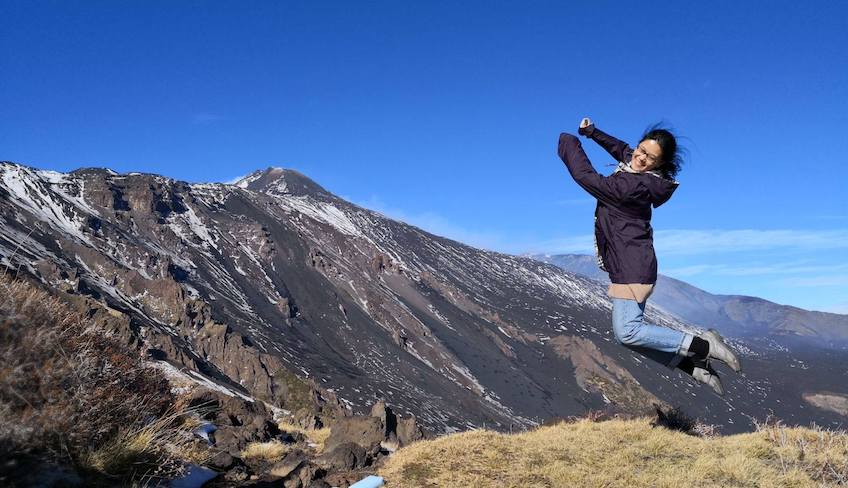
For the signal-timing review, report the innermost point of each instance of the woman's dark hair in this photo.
(672, 154)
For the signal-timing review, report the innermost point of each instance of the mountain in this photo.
(734, 315)
(256, 287)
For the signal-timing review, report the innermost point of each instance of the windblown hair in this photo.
(672, 153)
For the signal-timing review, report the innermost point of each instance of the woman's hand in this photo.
(586, 127)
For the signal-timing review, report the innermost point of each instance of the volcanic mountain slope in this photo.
(249, 284)
(735, 315)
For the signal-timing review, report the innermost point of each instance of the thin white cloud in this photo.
(693, 242)
(700, 242)
(817, 281)
(439, 225)
(583, 243)
(838, 308)
(766, 269)
(235, 180)
(694, 270)
(776, 253)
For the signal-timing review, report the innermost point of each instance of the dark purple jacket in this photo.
(623, 233)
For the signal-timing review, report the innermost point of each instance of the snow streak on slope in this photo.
(39, 193)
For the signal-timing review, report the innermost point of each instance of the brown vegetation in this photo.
(72, 395)
(268, 451)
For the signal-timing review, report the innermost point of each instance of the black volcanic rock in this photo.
(345, 457)
(275, 291)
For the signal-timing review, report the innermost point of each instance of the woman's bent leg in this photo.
(661, 344)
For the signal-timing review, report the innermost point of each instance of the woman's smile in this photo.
(647, 156)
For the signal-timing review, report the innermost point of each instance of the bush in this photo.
(67, 389)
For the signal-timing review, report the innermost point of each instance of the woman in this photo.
(625, 249)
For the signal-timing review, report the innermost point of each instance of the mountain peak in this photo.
(281, 181)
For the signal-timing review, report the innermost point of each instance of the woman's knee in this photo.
(626, 322)
(629, 335)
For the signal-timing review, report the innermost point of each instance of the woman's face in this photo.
(647, 156)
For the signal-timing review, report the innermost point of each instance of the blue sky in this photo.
(446, 114)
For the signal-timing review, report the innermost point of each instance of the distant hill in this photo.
(734, 315)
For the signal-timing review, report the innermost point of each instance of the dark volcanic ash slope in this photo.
(251, 282)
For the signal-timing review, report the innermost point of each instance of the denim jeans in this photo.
(662, 344)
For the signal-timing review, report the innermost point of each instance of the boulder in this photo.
(344, 457)
(222, 409)
(296, 470)
(235, 439)
(290, 464)
(381, 428)
(365, 431)
(408, 431)
(222, 461)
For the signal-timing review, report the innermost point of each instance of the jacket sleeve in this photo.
(616, 148)
(613, 191)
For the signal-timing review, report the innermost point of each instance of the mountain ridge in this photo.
(251, 287)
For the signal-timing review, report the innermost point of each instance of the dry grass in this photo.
(268, 451)
(153, 450)
(623, 453)
(317, 436)
(71, 394)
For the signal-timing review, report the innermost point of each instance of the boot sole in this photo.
(718, 338)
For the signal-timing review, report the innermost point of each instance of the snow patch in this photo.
(172, 373)
(321, 211)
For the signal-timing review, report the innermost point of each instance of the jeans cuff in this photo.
(685, 344)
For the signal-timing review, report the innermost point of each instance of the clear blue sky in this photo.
(446, 114)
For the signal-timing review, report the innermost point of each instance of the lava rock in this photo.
(347, 456)
(222, 461)
(365, 431)
(408, 431)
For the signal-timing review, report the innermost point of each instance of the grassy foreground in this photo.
(623, 453)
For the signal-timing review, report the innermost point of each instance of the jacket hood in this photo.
(659, 187)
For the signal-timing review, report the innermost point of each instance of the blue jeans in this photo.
(662, 344)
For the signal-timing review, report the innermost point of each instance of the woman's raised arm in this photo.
(617, 149)
(613, 191)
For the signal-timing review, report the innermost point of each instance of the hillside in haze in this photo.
(733, 315)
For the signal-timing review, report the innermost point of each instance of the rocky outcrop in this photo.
(383, 429)
(237, 422)
(347, 456)
(232, 424)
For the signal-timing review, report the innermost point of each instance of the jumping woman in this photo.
(624, 245)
